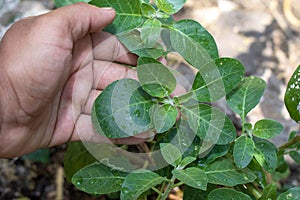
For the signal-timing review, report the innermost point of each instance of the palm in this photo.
(52, 81)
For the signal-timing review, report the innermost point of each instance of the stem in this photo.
(178, 184)
(161, 190)
(293, 141)
(169, 188)
(243, 124)
(157, 191)
(257, 194)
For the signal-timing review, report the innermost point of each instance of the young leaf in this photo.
(243, 151)
(133, 41)
(292, 96)
(138, 182)
(156, 79)
(269, 192)
(148, 10)
(267, 128)
(269, 153)
(226, 193)
(192, 176)
(246, 95)
(128, 14)
(75, 158)
(122, 110)
(170, 6)
(171, 154)
(223, 172)
(184, 139)
(164, 117)
(186, 161)
(217, 152)
(150, 32)
(291, 194)
(98, 179)
(193, 42)
(210, 124)
(217, 78)
(296, 156)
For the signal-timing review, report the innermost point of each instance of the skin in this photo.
(52, 68)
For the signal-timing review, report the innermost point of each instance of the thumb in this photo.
(82, 18)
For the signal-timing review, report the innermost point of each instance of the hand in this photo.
(52, 68)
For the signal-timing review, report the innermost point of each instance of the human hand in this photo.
(53, 67)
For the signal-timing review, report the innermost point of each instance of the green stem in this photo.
(157, 191)
(169, 188)
(178, 184)
(293, 141)
(257, 194)
(161, 190)
(243, 124)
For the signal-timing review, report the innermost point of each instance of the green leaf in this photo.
(243, 151)
(223, 172)
(169, 6)
(269, 192)
(75, 158)
(269, 153)
(193, 42)
(138, 182)
(291, 194)
(248, 127)
(292, 135)
(292, 96)
(190, 193)
(217, 78)
(98, 179)
(186, 161)
(210, 124)
(164, 117)
(148, 10)
(171, 154)
(217, 152)
(227, 194)
(122, 110)
(133, 41)
(40, 155)
(128, 14)
(184, 139)
(267, 128)
(150, 32)
(155, 78)
(257, 169)
(246, 95)
(296, 156)
(192, 176)
(61, 3)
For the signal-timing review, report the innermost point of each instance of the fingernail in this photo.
(107, 8)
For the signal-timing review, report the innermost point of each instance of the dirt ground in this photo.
(263, 34)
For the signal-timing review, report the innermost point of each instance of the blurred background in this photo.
(263, 34)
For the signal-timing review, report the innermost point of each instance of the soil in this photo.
(260, 33)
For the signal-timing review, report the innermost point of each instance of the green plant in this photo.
(196, 147)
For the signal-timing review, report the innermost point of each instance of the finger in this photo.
(178, 90)
(108, 72)
(81, 19)
(108, 48)
(85, 132)
(90, 101)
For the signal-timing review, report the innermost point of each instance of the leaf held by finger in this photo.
(122, 110)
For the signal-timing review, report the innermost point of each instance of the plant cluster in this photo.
(197, 147)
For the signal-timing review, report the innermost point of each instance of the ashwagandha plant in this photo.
(195, 148)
